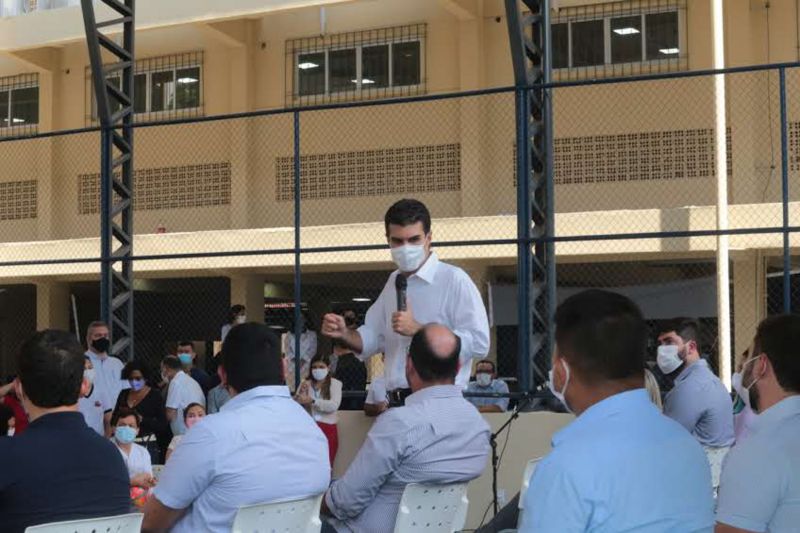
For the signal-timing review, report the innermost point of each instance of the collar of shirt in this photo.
(427, 271)
(773, 416)
(697, 366)
(603, 409)
(434, 392)
(60, 420)
(263, 391)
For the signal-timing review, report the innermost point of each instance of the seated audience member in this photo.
(486, 381)
(126, 424)
(351, 372)
(436, 437)
(377, 400)
(59, 469)
(191, 416)
(149, 404)
(10, 400)
(261, 447)
(760, 487)
(321, 396)
(94, 406)
(217, 397)
(698, 400)
(620, 465)
(182, 391)
(188, 357)
(7, 421)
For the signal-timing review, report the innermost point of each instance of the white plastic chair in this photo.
(530, 468)
(432, 508)
(157, 469)
(297, 516)
(126, 523)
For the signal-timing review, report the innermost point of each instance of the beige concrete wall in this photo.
(530, 438)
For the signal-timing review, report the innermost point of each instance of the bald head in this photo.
(433, 355)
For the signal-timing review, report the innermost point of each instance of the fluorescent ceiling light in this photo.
(307, 65)
(367, 81)
(17, 120)
(187, 80)
(362, 299)
(669, 51)
(626, 31)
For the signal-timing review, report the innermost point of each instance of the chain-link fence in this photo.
(218, 222)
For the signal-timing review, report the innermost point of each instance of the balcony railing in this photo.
(13, 8)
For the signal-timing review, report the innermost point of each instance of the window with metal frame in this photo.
(360, 65)
(19, 105)
(620, 38)
(168, 87)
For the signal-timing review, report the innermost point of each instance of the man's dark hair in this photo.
(51, 367)
(687, 329)
(602, 335)
(172, 362)
(429, 365)
(234, 312)
(125, 412)
(486, 362)
(186, 343)
(251, 357)
(778, 336)
(407, 212)
(6, 414)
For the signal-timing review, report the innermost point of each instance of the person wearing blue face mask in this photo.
(126, 427)
(187, 356)
(149, 403)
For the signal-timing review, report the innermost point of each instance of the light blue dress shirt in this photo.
(496, 386)
(437, 437)
(701, 403)
(621, 466)
(760, 487)
(261, 447)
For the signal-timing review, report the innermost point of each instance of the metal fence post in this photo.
(787, 259)
(297, 282)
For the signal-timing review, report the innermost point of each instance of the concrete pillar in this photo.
(749, 298)
(52, 305)
(248, 290)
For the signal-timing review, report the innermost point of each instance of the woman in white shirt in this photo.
(191, 416)
(126, 427)
(321, 395)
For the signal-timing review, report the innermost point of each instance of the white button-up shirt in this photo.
(436, 437)
(437, 292)
(183, 390)
(93, 408)
(262, 446)
(108, 376)
(138, 461)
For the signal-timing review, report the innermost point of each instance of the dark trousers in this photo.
(506, 518)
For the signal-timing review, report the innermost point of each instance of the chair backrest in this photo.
(126, 523)
(432, 508)
(530, 468)
(296, 516)
(157, 469)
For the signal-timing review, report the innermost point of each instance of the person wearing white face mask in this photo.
(321, 395)
(698, 401)
(743, 415)
(486, 382)
(760, 487)
(620, 465)
(237, 315)
(436, 293)
(126, 424)
(94, 406)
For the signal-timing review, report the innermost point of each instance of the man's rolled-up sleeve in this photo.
(468, 316)
(373, 332)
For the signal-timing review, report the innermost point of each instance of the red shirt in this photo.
(20, 418)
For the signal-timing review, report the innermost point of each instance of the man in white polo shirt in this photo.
(261, 447)
(183, 390)
(760, 486)
(437, 292)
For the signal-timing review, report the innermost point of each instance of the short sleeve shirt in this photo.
(93, 408)
(183, 390)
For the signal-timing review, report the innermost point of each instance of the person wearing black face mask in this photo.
(108, 369)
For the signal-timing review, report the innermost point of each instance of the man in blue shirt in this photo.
(760, 488)
(486, 382)
(58, 469)
(621, 465)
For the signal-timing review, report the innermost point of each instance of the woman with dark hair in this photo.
(237, 315)
(321, 395)
(148, 402)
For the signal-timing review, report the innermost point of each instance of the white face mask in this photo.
(483, 379)
(409, 257)
(241, 319)
(737, 381)
(559, 394)
(10, 432)
(319, 373)
(88, 375)
(668, 359)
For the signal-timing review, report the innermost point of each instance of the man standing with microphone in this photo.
(423, 290)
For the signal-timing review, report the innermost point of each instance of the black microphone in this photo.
(400, 283)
